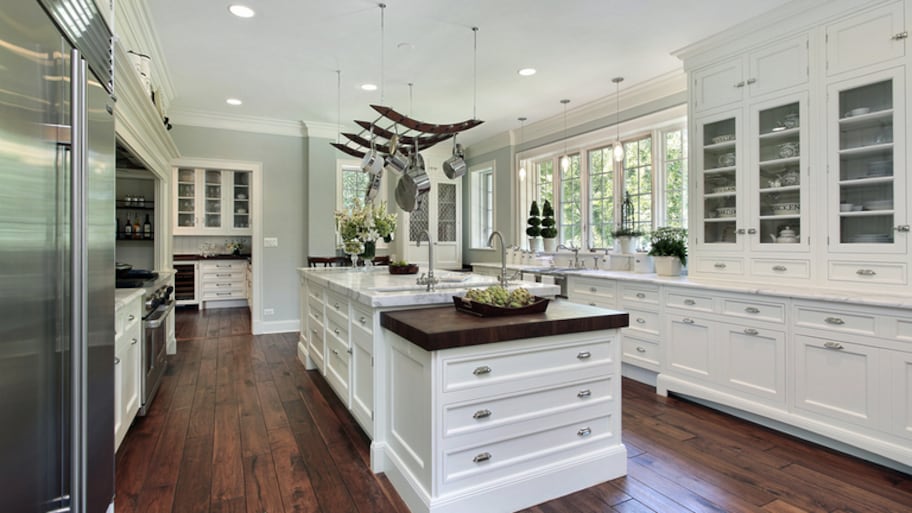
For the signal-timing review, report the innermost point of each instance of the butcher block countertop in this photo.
(438, 328)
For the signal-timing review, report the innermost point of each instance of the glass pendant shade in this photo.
(565, 163)
(618, 151)
(522, 173)
(618, 147)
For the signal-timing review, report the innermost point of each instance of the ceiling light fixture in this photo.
(233, 101)
(241, 11)
(565, 160)
(527, 72)
(618, 147)
(522, 164)
(369, 87)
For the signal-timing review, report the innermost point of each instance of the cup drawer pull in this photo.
(480, 371)
(583, 355)
(780, 268)
(752, 310)
(582, 394)
(751, 331)
(485, 456)
(640, 295)
(593, 289)
(362, 319)
(865, 272)
(641, 349)
(689, 302)
(583, 433)
(719, 265)
(481, 414)
(834, 320)
(641, 320)
(687, 321)
(836, 346)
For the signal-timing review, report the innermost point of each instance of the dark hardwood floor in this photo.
(239, 426)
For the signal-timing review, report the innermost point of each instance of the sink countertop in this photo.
(378, 288)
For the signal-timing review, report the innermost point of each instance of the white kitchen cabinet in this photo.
(772, 68)
(362, 358)
(900, 363)
(871, 37)
(441, 214)
(127, 366)
(212, 201)
(222, 281)
(592, 291)
(689, 346)
(752, 361)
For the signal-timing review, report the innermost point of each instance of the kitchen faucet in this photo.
(503, 257)
(428, 279)
(576, 261)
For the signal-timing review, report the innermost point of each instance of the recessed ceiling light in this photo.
(233, 101)
(241, 11)
(527, 72)
(368, 87)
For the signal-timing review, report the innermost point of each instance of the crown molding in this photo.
(133, 29)
(321, 130)
(205, 119)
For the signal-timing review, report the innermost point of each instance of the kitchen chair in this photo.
(381, 260)
(325, 261)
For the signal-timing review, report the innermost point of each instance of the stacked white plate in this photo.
(870, 238)
(878, 205)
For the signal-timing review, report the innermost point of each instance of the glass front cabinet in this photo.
(718, 162)
(212, 202)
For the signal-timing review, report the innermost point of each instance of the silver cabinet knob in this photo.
(362, 319)
(133, 341)
(336, 331)
(485, 456)
(481, 414)
(582, 394)
(836, 346)
(641, 320)
(902, 228)
(751, 81)
(131, 317)
(739, 84)
(641, 349)
(740, 231)
(479, 371)
(583, 355)
(752, 231)
(584, 432)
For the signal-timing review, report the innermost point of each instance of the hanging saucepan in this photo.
(406, 193)
(455, 166)
(374, 187)
(372, 162)
(396, 160)
(413, 184)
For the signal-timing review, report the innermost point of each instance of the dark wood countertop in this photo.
(191, 258)
(438, 328)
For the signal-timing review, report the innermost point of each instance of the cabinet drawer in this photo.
(131, 336)
(315, 308)
(781, 268)
(224, 286)
(126, 317)
(751, 309)
(467, 418)
(605, 289)
(338, 373)
(484, 370)
(868, 272)
(362, 319)
(315, 291)
(640, 352)
(209, 276)
(689, 301)
(336, 303)
(211, 295)
(467, 466)
(593, 300)
(639, 294)
(334, 329)
(836, 320)
(721, 265)
(643, 321)
(222, 266)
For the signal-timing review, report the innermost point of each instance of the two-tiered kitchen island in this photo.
(467, 413)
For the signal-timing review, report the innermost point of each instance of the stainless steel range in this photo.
(158, 304)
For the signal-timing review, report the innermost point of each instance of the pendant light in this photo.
(618, 147)
(565, 160)
(522, 165)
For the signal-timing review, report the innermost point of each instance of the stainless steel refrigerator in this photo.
(56, 258)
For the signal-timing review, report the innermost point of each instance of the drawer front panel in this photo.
(216, 286)
(485, 462)
(334, 329)
(483, 370)
(868, 272)
(723, 265)
(749, 309)
(222, 266)
(688, 301)
(639, 294)
(836, 320)
(643, 322)
(641, 352)
(593, 300)
(315, 291)
(781, 268)
(336, 303)
(212, 295)
(338, 372)
(316, 308)
(605, 289)
(362, 320)
(477, 416)
(223, 276)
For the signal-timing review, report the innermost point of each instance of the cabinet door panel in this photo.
(719, 182)
(689, 347)
(718, 85)
(865, 39)
(778, 67)
(753, 361)
(902, 393)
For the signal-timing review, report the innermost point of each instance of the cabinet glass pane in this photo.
(866, 164)
(241, 199)
(186, 197)
(778, 166)
(719, 182)
(419, 219)
(213, 203)
(446, 212)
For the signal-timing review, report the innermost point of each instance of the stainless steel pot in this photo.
(397, 162)
(372, 163)
(413, 185)
(455, 166)
(374, 187)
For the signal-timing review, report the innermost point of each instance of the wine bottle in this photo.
(147, 228)
(128, 229)
(137, 229)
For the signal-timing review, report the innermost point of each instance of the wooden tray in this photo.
(485, 310)
(403, 269)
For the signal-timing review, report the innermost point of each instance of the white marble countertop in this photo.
(124, 296)
(805, 291)
(377, 288)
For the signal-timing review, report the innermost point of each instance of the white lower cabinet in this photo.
(752, 361)
(127, 366)
(689, 348)
(222, 280)
(901, 393)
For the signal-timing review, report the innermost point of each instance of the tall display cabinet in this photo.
(798, 126)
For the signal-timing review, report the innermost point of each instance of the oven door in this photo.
(154, 361)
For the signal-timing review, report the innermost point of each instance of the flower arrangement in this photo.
(669, 241)
(233, 247)
(362, 225)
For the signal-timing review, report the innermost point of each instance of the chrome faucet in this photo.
(576, 260)
(503, 257)
(428, 278)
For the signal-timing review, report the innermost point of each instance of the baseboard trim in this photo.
(264, 328)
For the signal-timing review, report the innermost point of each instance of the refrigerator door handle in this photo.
(78, 285)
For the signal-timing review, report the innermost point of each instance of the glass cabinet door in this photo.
(867, 168)
(778, 207)
(446, 212)
(241, 198)
(718, 174)
(213, 203)
(186, 198)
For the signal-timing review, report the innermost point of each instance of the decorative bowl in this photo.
(790, 177)
(727, 159)
(790, 121)
(403, 269)
(723, 138)
(845, 207)
(485, 310)
(785, 209)
(858, 112)
(727, 211)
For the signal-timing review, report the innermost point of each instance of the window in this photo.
(675, 179)
(544, 170)
(570, 221)
(482, 198)
(601, 197)
(354, 185)
(638, 181)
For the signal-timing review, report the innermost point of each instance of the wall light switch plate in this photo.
(270, 242)
(268, 311)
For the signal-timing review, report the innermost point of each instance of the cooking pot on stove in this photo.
(122, 269)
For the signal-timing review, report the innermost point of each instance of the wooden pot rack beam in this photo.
(428, 134)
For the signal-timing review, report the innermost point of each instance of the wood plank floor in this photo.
(239, 426)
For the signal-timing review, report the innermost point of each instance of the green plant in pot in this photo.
(548, 231)
(534, 230)
(669, 249)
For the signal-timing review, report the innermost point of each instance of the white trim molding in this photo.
(206, 119)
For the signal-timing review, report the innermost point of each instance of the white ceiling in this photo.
(282, 63)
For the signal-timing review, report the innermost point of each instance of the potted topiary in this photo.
(533, 231)
(625, 237)
(669, 249)
(548, 231)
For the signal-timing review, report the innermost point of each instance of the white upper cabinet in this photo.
(869, 38)
(772, 68)
(212, 201)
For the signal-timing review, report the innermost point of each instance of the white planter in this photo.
(625, 245)
(667, 265)
(550, 245)
(535, 243)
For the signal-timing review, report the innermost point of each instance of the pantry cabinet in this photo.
(212, 201)
(440, 213)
